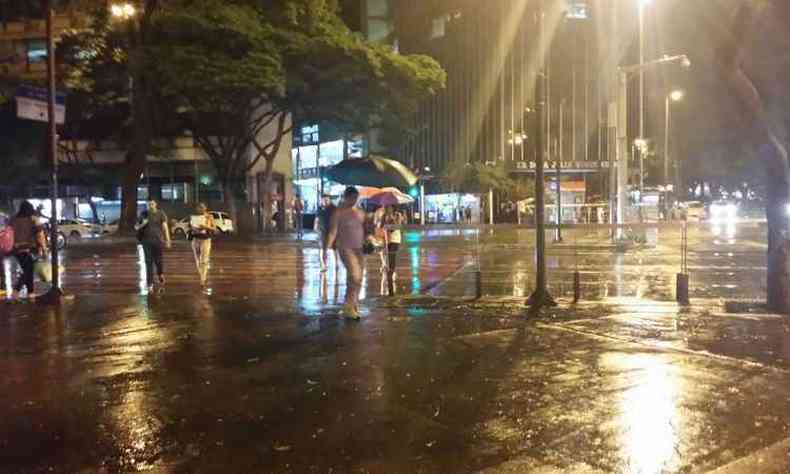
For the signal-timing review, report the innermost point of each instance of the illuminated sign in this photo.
(567, 166)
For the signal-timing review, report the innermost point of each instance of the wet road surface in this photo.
(261, 376)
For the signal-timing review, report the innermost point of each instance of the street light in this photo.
(674, 96)
(123, 11)
(624, 73)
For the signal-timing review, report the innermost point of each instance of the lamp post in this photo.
(624, 72)
(55, 294)
(642, 7)
(540, 297)
(674, 96)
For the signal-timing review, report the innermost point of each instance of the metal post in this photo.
(558, 166)
(641, 149)
(641, 70)
(666, 156)
(540, 297)
(622, 150)
(422, 203)
(491, 206)
(55, 293)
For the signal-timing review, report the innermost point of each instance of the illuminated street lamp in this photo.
(674, 96)
(516, 139)
(123, 11)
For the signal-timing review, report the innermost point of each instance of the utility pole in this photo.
(558, 166)
(55, 293)
(540, 297)
(642, 148)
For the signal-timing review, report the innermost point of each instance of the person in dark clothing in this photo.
(154, 234)
(322, 227)
(29, 241)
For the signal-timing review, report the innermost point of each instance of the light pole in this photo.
(642, 6)
(540, 297)
(624, 73)
(55, 293)
(674, 96)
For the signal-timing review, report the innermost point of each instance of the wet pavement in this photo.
(261, 374)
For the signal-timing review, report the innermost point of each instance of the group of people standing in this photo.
(352, 233)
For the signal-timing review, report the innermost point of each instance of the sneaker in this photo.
(350, 312)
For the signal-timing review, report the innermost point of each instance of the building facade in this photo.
(178, 175)
(492, 52)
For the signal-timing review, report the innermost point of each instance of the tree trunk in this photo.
(229, 199)
(778, 258)
(268, 172)
(131, 178)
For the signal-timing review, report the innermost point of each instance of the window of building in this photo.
(309, 135)
(174, 192)
(438, 27)
(36, 51)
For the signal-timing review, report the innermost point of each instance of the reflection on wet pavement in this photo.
(260, 377)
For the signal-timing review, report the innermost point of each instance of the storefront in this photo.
(452, 208)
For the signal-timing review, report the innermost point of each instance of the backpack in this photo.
(6, 240)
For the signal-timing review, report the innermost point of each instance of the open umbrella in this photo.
(374, 171)
(390, 197)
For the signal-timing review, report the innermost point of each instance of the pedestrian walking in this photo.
(393, 220)
(298, 213)
(347, 237)
(30, 243)
(468, 214)
(153, 232)
(378, 238)
(201, 231)
(322, 224)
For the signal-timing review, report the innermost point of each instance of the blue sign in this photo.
(39, 93)
(31, 104)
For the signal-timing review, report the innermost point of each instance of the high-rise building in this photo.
(492, 54)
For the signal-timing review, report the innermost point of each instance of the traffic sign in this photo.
(31, 104)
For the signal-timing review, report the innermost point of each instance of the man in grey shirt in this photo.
(154, 234)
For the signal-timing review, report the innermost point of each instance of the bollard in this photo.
(478, 284)
(577, 286)
(682, 288)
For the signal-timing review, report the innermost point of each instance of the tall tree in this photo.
(769, 135)
(107, 62)
(245, 71)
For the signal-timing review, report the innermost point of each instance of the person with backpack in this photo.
(29, 244)
(201, 230)
(153, 232)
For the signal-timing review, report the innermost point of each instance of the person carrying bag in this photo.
(201, 231)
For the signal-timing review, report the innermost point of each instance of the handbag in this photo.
(43, 269)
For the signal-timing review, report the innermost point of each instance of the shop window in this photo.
(36, 51)
(173, 192)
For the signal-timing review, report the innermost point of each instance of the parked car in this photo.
(222, 220)
(74, 230)
(110, 228)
